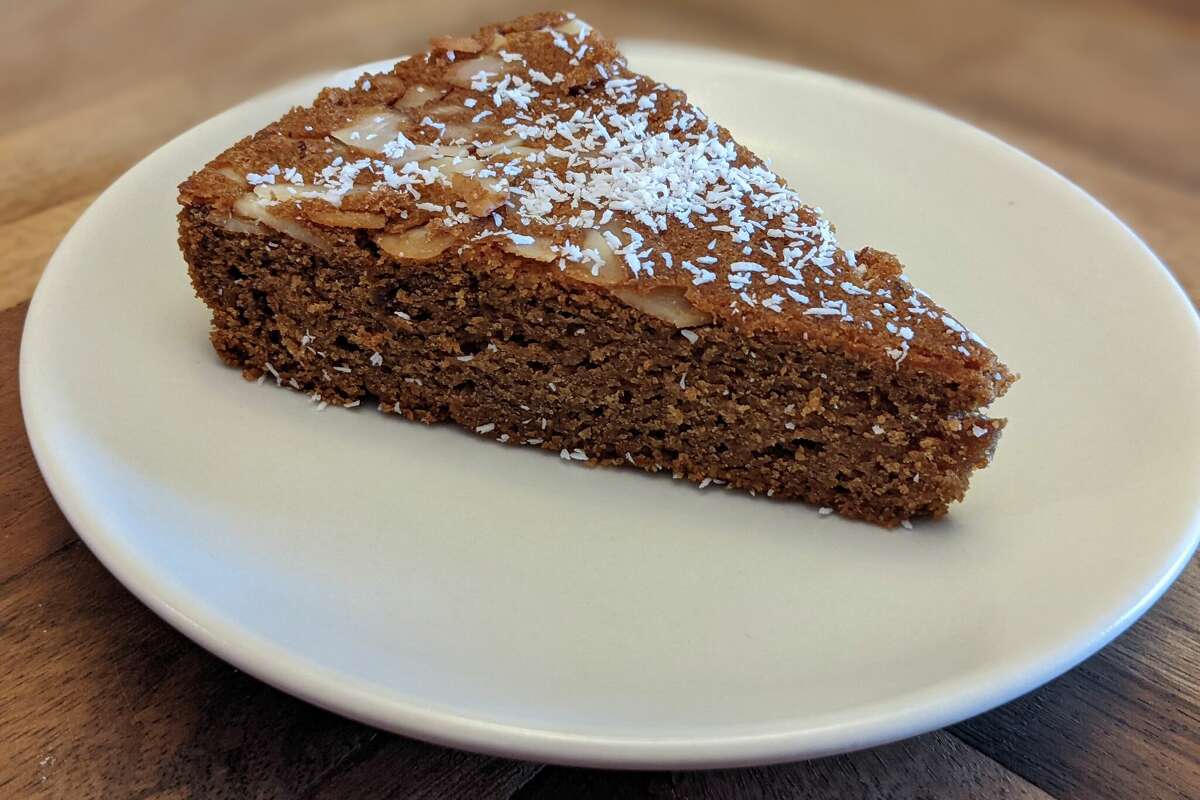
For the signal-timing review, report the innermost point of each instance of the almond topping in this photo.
(282, 192)
(573, 27)
(433, 154)
(667, 303)
(453, 120)
(463, 73)
(337, 218)
(609, 272)
(513, 145)
(453, 161)
(482, 196)
(497, 148)
(371, 130)
(540, 250)
(237, 225)
(418, 95)
(233, 175)
(248, 206)
(420, 243)
(459, 44)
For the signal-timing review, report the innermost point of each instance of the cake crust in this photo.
(516, 233)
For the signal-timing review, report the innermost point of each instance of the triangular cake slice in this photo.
(516, 233)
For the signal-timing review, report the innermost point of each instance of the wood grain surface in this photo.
(99, 698)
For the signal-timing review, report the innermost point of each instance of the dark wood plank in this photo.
(598, 784)
(407, 770)
(100, 698)
(31, 526)
(934, 765)
(1126, 723)
(930, 766)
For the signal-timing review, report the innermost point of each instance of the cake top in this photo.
(533, 139)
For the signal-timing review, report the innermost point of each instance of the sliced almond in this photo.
(250, 207)
(420, 243)
(609, 271)
(574, 27)
(337, 218)
(452, 161)
(233, 175)
(519, 151)
(271, 193)
(454, 119)
(459, 44)
(512, 145)
(446, 111)
(427, 152)
(462, 73)
(541, 249)
(482, 195)
(418, 95)
(499, 40)
(283, 192)
(372, 129)
(238, 225)
(667, 303)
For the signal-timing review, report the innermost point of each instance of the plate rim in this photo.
(922, 711)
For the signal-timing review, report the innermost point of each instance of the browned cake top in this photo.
(533, 138)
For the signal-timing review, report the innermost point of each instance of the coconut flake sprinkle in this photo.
(628, 163)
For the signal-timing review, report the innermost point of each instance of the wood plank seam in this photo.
(1007, 765)
(56, 553)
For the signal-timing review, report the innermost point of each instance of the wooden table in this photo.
(100, 698)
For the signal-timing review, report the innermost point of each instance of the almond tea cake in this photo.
(516, 233)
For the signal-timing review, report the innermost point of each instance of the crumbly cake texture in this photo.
(514, 232)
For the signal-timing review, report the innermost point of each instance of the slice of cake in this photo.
(515, 233)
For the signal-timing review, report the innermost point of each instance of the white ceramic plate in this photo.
(441, 585)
